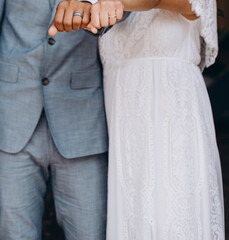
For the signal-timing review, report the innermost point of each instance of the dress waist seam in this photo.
(152, 59)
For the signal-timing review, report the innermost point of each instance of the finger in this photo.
(68, 19)
(91, 28)
(85, 20)
(112, 18)
(119, 12)
(52, 30)
(104, 19)
(77, 20)
(58, 19)
(94, 30)
(95, 16)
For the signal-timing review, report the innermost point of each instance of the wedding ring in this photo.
(78, 14)
(115, 16)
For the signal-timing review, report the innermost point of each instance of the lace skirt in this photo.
(164, 169)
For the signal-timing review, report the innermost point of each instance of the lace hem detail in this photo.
(206, 10)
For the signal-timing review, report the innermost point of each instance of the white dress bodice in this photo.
(153, 34)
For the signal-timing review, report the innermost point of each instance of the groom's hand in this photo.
(65, 21)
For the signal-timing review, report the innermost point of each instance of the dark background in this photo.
(217, 81)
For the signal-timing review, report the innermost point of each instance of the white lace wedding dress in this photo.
(164, 168)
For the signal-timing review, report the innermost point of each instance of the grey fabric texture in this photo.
(79, 190)
(72, 99)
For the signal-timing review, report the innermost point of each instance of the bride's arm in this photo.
(103, 12)
(180, 6)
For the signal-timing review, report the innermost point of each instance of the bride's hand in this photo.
(105, 13)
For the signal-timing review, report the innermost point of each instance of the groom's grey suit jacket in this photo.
(61, 75)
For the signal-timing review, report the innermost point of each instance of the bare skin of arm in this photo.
(180, 6)
(102, 11)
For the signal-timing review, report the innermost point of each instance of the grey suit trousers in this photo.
(79, 188)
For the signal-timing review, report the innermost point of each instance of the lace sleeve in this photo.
(206, 10)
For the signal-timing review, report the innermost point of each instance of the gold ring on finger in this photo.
(115, 16)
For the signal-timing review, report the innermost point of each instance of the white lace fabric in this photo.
(164, 169)
(207, 11)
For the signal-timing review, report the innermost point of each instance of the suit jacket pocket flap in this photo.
(86, 79)
(8, 72)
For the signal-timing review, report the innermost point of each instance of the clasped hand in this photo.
(91, 17)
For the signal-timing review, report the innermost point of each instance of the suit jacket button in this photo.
(51, 41)
(45, 81)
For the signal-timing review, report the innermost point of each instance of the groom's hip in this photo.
(78, 129)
